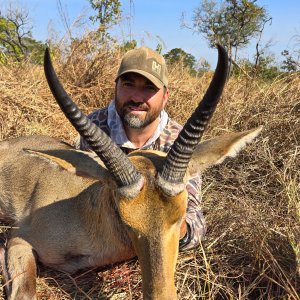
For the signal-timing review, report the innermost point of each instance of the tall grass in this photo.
(251, 203)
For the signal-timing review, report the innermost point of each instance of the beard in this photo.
(135, 122)
(132, 120)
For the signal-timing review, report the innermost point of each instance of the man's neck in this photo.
(139, 137)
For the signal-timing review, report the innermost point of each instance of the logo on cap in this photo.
(156, 67)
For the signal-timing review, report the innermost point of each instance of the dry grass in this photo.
(252, 249)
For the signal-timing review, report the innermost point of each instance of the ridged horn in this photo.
(178, 157)
(118, 164)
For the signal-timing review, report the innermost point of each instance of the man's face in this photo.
(138, 101)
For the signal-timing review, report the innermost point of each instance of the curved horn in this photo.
(178, 157)
(121, 168)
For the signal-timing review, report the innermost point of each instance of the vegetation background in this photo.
(251, 203)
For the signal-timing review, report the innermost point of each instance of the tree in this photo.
(16, 36)
(203, 66)
(290, 63)
(264, 68)
(108, 14)
(232, 23)
(128, 45)
(177, 55)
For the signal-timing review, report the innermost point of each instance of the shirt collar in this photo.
(117, 132)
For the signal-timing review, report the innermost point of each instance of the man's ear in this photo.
(165, 97)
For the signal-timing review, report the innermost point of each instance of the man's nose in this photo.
(138, 95)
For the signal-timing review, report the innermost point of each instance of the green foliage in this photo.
(129, 45)
(231, 23)
(9, 44)
(16, 39)
(265, 69)
(159, 48)
(187, 60)
(108, 14)
(289, 64)
(203, 66)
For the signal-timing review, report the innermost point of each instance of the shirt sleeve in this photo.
(95, 117)
(194, 216)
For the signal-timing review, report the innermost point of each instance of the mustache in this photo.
(140, 105)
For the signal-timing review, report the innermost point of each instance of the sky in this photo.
(158, 21)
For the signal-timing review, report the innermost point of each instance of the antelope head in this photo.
(151, 185)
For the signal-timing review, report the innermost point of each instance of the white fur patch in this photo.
(169, 188)
(238, 146)
(131, 191)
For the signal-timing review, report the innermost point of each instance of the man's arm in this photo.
(193, 228)
(195, 222)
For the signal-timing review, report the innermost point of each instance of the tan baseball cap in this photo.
(147, 63)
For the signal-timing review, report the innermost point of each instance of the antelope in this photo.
(71, 209)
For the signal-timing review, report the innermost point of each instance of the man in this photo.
(136, 119)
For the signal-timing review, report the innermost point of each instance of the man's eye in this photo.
(127, 83)
(151, 88)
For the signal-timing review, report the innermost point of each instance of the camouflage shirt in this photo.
(109, 121)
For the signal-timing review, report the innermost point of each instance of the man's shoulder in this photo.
(168, 135)
(99, 116)
(173, 126)
(98, 113)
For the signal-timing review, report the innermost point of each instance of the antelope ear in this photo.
(214, 151)
(80, 163)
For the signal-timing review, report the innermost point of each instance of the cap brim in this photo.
(159, 84)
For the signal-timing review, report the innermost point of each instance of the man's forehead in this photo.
(131, 76)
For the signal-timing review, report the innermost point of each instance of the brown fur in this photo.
(69, 214)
